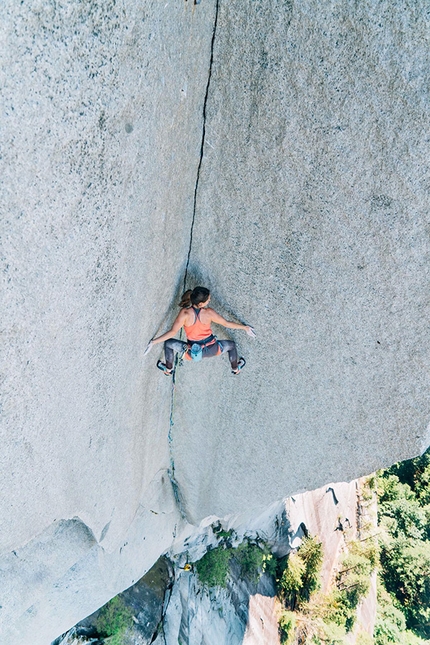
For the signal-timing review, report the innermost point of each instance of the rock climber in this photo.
(196, 318)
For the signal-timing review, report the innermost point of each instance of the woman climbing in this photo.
(196, 318)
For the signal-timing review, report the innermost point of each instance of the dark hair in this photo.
(194, 297)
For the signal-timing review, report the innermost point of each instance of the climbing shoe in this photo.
(240, 365)
(161, 366)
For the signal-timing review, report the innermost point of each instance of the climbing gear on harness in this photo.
(196, 352)
(163, 367)
(240, 365)
(196, 347)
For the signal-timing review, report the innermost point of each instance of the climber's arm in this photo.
(216, 318)
(179, 322)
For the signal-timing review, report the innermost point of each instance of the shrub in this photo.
(364, 639)
(224, 537)
(116, 639)
(250, 558)
(113, 619)
(213, 567)
(270, 564)
(301, 573)
(254, 560)
(287, 627)
(291, 580)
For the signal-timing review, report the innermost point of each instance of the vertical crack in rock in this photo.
(202, 145)
(166, 600)
(171, 471)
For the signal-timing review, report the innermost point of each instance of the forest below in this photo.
(404, 539)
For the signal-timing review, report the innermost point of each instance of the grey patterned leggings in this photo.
(174, 345)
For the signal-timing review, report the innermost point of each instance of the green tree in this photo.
(113, 619)
(291, 581)
(415, 473)
(404, 517)
(300, 573)
(255, 559)
(406, 574)
(422, 480)
(399, 512)
(311, 552)
(213, 567)
(390, 626)
(287, 627)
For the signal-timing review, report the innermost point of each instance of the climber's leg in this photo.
(170, 347)
(230, 347)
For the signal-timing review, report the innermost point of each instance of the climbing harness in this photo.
(196, 347)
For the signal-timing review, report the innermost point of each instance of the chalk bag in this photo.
(196, 352)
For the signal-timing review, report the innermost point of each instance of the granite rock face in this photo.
(313, 226)
(101, 133)
(308, 208)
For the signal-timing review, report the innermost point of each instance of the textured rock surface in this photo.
(101, 132)
(233, 615)
(63, 574)
(144, 601)
(311, 223)
(219, 616)
(188, 611)
(92, 213)
(246, 611)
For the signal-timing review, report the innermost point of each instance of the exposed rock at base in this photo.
(218, 616)
(311, 222)
(63, 574)
(144, 602)
(247, 610)
(189, 612)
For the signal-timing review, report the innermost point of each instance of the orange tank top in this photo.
(198, 330)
